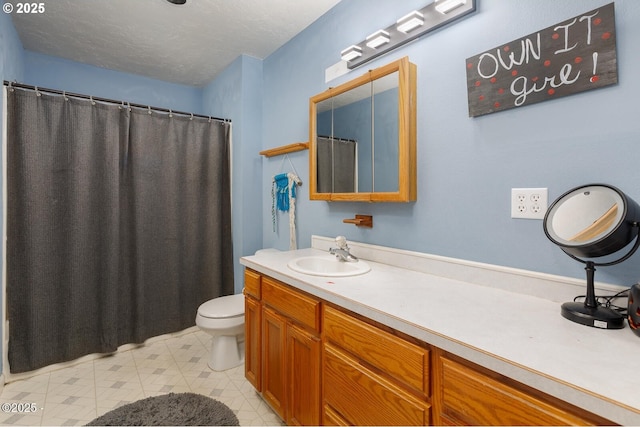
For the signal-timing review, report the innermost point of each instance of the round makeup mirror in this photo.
(592, 221)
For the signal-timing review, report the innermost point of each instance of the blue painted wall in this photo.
(466, 166)
(11, 69)
(11, 51)
(237, 94)
(61, 74)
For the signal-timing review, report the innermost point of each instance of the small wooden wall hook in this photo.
(360, 221)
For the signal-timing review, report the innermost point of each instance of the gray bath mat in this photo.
(173, 409)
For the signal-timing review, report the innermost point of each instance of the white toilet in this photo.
(223, 319)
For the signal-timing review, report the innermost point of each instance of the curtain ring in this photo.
(91, 99)
(37, 92)
(128, 107)
(10, 87)
(170, 113)
(191, 116)
(149, 109)
(64, 95)
(209, 119)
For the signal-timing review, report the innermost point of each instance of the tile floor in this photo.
(76, 395)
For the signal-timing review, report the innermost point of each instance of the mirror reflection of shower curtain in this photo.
(337, 165)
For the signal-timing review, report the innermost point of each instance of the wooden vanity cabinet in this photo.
(467, 394)
(319, 364)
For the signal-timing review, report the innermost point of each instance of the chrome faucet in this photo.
(342, 251)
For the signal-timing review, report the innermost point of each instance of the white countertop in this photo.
(521, 336)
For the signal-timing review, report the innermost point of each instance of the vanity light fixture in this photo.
(351, 53)
(410, 22)
(377, 39)
(446, 6)
(411, 26)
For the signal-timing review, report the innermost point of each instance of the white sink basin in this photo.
(328, 266)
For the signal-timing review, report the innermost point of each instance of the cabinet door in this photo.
(252, 328)
(273, 360)
(303, 379)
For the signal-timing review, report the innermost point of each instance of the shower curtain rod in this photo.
(337, 138)
(110, 101)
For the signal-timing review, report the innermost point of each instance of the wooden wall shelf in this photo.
(291, 148)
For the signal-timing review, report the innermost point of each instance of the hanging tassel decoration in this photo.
(282, 191)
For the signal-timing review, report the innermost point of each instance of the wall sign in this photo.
(573, 56)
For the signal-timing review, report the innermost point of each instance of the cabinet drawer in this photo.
(252, 283)
(362, 397)
(300, 308)
(403, 361)
(470, 397)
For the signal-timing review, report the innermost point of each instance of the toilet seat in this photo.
(223, 319)
(226, 307)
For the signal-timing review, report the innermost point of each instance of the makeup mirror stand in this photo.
(592, 221)
(590, 311)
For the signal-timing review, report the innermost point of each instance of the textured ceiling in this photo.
(188, 44)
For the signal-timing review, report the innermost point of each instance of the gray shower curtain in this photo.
(118, 225)
(336, 165)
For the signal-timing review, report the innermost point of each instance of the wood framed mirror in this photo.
(362, 137)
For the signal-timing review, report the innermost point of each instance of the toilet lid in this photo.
(223, 307)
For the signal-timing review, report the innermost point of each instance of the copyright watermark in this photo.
(23, 8)
(19, 407)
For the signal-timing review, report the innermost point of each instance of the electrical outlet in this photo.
(529, 203)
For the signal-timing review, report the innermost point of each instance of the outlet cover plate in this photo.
(529, 203)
